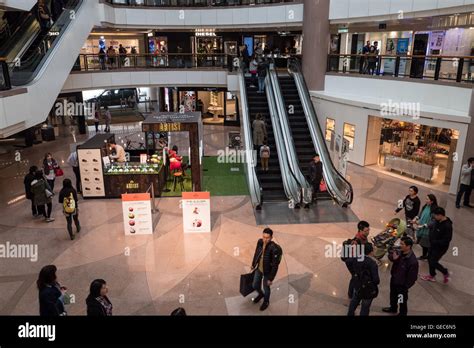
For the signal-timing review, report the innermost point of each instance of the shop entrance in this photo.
(412, 150)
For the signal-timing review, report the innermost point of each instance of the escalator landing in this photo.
(278, 213)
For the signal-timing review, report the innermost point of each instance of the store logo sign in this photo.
(400, 109)
(132, 185)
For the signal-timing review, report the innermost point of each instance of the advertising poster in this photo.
(90, 164)
(137, 218)
(196, 212)
(389, 63)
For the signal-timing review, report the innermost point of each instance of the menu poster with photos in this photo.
(137, 217)
(90, 167)
(196, 212)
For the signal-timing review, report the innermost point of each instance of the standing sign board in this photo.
(196, 212)
(137, 218)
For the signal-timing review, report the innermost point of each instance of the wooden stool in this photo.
(178, 177)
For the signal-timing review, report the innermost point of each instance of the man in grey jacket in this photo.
(467, 178)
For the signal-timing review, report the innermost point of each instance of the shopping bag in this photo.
(58, 172)
(322, 186)
(246, 281)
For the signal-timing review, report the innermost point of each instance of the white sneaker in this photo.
(50, 219)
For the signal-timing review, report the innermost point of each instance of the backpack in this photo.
(69, 204)
(367, 289)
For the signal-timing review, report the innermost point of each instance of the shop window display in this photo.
(330, 128)
(349, 134)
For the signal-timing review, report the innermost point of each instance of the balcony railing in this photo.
(438, 68)
(96, 62)
(193, 3)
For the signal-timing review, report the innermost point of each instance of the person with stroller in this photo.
(411, 204)
(404, 275)
(424, 223)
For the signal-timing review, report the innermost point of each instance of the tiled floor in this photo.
(150, 275)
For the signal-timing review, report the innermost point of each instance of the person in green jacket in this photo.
(424, 223)
(42, 194)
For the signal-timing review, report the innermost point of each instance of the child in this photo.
(264, 156)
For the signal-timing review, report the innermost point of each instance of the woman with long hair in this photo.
(98, 304)
(424, 224)
(51, 294)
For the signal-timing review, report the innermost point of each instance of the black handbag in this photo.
(246, 281)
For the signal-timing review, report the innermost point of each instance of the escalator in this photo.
(271, 181)
(305, 149)
(17, 34)
(308, 136)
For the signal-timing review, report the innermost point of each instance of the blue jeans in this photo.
(355, 301)
(257, 285)
(261, 84)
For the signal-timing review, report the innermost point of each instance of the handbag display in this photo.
(58, 172)
(322, 186)
(246, 287)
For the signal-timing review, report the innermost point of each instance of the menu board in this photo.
(90, 166)
(137, 218)
(196, 212)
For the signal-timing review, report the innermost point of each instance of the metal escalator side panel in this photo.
(289, 145)
(289, 182)
(337, 185)
(252, 180)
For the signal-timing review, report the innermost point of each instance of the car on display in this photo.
(115, 97)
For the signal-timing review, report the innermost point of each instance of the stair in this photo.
(271, 181)
(304, 146)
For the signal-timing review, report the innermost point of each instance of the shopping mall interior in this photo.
(191, 129)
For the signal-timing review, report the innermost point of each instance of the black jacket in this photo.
(94, 308)
(316, 171)
(441, 234)
(411, 206)
(50, 303)
(271, 259)
(27, 182)
(65, 192)
(404, 270)
(356, 266)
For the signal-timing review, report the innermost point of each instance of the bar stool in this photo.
(178, 177)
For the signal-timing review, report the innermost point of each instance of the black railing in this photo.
(4, 76)
(97, 62)
(193, 3)
(439, 68)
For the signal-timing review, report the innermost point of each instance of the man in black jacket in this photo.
(315, 175)
(266, 260)
(404, 274)
(440, 237)
(29, 195)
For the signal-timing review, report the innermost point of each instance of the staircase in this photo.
(304, 146)
(270, 181)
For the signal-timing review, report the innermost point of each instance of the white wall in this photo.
(255, 16)
(348, 9)
(170, 78)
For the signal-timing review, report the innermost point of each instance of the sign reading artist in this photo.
(196, 212)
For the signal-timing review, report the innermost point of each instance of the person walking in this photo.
(259, 131)
(51, 294)
(361, 238)
(440, 238)
(264, 155)
(315, 175)
(68, 198)
(73, 161)
(265, 262)
(108, 119)
(424, 224)
(467, 184)
(411, 204)
(97, 119)
(366, 281)
(42, 194)
(262, 74)
(28, 194)
(404, 274)
(49, 168)
(98, 304)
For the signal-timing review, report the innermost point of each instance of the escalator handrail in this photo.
(74, 5)
(288, 138)
(290, 184)
(343, 198)
(255, 189)
(26, 21)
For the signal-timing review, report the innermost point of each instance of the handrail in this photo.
(255, 189)
(290, 184)
(195, 4)
(397, 55)
(288, 139)
(339, 188)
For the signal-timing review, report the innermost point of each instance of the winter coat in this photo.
(404, 270)
(441, 234)
(66, 192)
(259, 132)
(95, 308)
(27, 182)
(357, 267)
(316, 171)
(38, 189)
(50, 301)
(271, 259)
(411, 206)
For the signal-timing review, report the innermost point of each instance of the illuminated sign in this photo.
(132, 185)
(170, 127)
